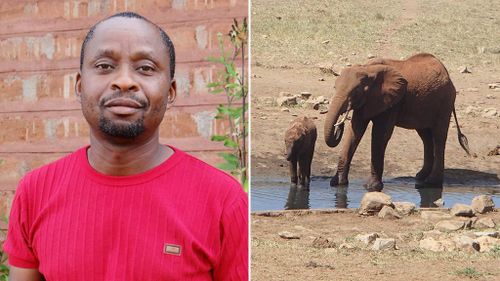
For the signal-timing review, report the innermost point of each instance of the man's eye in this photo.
(146, 68)
(104, 66)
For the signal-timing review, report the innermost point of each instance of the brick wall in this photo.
(40, 42)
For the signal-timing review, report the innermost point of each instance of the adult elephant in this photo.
(416, 93)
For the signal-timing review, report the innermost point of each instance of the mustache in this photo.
(115, 95)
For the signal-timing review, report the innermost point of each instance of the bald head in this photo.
(165, 38)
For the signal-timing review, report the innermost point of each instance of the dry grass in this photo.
(299, 36)
(295, 32)
(462, 33)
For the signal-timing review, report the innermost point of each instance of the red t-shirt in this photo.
(183, 220)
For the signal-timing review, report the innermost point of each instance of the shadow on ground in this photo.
(463, 177)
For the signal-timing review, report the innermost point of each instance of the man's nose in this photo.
(124, 81)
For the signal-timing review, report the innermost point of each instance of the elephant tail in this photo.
(462, 139)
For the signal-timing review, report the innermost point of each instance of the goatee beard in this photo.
(126, 130)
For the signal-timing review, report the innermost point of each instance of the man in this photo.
(127, 207)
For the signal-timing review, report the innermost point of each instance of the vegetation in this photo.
(468, 272)
(234, 86)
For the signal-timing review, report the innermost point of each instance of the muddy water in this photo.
(277, 194)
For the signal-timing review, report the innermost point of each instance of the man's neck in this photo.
(126, 159)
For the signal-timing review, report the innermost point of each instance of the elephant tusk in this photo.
(346, 114)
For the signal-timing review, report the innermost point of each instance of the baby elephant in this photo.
(300, 138)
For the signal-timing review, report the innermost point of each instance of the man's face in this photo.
(125, 84)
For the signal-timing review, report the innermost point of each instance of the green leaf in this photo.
(227, 166)
(245, 186)
(230, 70)
(230, 143)
(222, 109)
(213, 84)
(230, 158)
(219, 138)
(216, 91)
(232, 86)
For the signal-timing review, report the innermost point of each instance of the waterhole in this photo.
(269, 193)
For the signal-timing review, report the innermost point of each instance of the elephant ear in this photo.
(386, 90)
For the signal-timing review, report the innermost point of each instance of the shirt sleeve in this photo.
(18, 245)
(233, 259)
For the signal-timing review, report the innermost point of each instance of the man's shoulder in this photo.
(212, 177)
(52, 170)
(201, 166)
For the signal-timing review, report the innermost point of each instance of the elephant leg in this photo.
(382, 129)
(308, 165)
(303, 171)
(352, 137)
(426, 136)
(439, 136)
(293, 171)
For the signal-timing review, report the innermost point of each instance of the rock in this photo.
(311, 104)
(305, 95)
(463, 69)
(321, 243)
(494, 151)
(493, 234)
(461, 210)
(485, 222)
(288, 235)
(286, 101)
(449, 225)
(486, 243)
(348, 64)
(285, 110)
(434, 215)
(466, 243)
(494, 85)
(482, 204)
(388, 213)
(328, 69)
(489, 112)
(373, 202)
(325, 42)
(346, 246)
(370, 56)
(321, 79)
(322, 100)
(324, 111)
(367, 238)
(405, 208)
(468, 224)
(384, 244)
(439, 202)
(431, 245)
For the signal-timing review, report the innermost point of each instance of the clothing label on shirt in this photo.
(172, 249)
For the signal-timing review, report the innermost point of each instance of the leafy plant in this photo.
(468, 272)
(4, 269)
(233, 85)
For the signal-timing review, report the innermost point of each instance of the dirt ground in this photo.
(275, 258)
(288, 46)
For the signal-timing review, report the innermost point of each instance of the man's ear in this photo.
(172, 92)
(78, 87)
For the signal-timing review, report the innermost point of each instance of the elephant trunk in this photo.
(334, 131)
